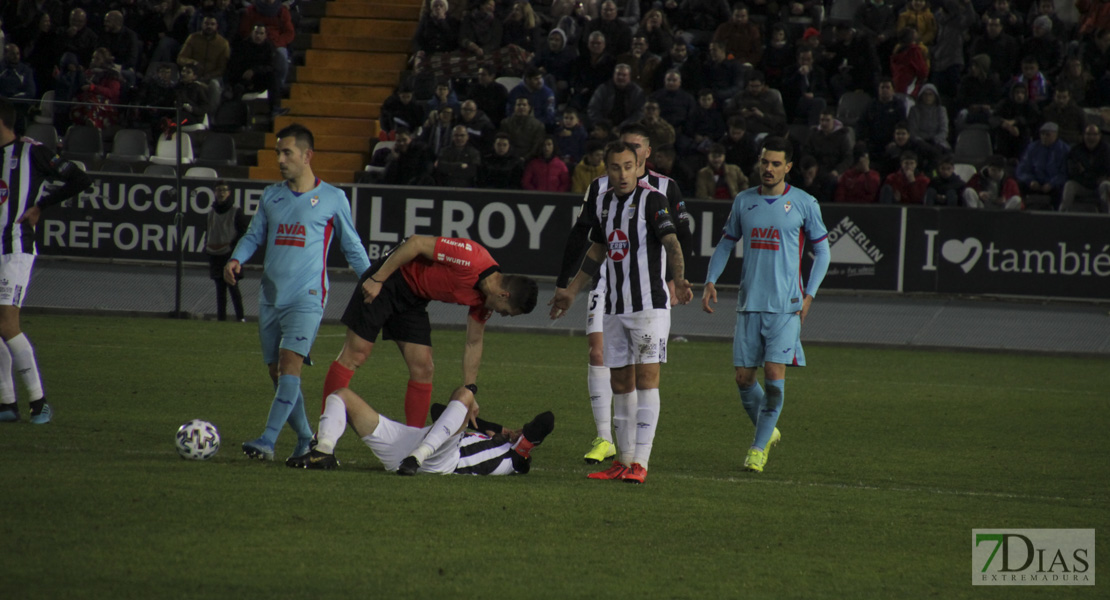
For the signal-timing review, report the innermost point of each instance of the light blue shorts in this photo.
(290, 328)
(767, 337)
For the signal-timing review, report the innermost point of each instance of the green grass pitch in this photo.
(889, 458)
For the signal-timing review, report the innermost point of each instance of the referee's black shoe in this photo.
(313, 459)
(408, 467)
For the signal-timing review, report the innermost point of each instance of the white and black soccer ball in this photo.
(197, 440)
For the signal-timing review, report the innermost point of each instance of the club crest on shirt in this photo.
(4, 192)
(786, 206)
(618, 245)
(13, 164)
(316, 200)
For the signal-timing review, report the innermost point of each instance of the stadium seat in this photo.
(965, 171)
(160, 171)
(46, 109)
(202, 173)
(44, 134)
(231, 116)
(130, 146)
(166, 152)
(203, 125)
(851, 107)
(83, 142)
(508, 82)
(218, 150)
(973, 146)
(112, 166)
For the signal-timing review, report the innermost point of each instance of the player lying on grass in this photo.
(443, 447)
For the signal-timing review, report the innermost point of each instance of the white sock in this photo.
(601, 401)
(624, 425)
(7, 384)
(448, 423)
(647, 419)
(333, 422)
(23, 359)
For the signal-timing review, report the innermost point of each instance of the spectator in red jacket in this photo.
(909, 63)
(279, 28)
(546, 172)
(860, 183)
(992, 188)
(906, 185)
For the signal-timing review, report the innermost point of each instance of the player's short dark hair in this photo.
(523, 292)
(300, 133)
(636, 129)
(757, 75)
(902, 125)
(829, 110)
(947, 159)
(717, 149)
(616, 147)
(738, 122)
(593, 145)
(7, 113)
(908, 155)
(775, 143)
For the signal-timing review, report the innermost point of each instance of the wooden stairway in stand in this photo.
(351, 66)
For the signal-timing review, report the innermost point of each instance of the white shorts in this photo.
(15, 274)
(637, 338)
(392, 442)
(595, 312)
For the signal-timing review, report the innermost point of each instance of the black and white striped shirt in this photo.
(632, 229)
(480, 454)
(27, 165)
(578, 241)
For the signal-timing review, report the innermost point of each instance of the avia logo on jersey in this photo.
(290, 235)
(441, 257)
(618, 245)
(765, 238)
(4, 192)
(457, 244)
(315, 200)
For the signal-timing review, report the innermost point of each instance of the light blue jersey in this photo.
(772, 229)
(297, 230)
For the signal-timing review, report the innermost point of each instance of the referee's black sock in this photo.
(36, 405)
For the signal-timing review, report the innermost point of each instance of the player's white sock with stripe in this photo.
(647, 419)
(601, 401)
(333, 422)
(23, 358)
(624, 426)
(445, 426)
(7, 384)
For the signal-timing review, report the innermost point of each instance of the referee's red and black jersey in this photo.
(632, 229)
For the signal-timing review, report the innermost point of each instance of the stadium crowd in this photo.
(154, 53)
(976, 103)
(901, 101)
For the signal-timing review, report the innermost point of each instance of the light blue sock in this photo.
(285, 399)
(298, 420)
(769, 412)
(751, 398)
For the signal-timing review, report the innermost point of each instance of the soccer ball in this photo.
(197, 440)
